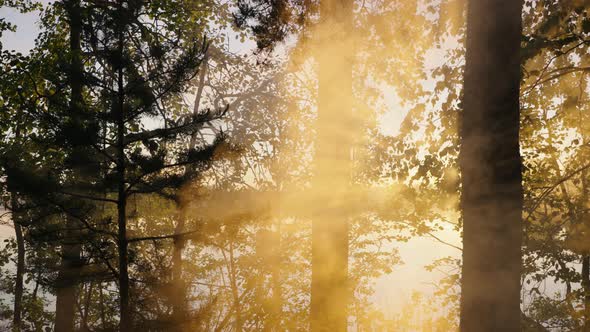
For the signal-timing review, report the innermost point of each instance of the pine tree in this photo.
(109, 121)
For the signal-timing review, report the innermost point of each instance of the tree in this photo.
(491, 198)
(335, 135)
(144, 68)
(68, 278)
(333, 145)
(117, 123)
(8, 58)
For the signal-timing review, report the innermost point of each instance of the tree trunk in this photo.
(122, 245)
(179, 291)
(586, 291)
(585, 257)
(65, 301)
(65, 297)
(20, 264)
(179, 287)
(491, 168)
(329, 284)
(101, 306)
(20, 252)
(125, 323)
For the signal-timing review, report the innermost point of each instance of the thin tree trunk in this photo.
(329, 284)
(20, 253)
(491, 168)
(20, 264)
(585, 258)
(36, 289)
(179, 292)
(122, 244)
(586, 291)
(125, 323)
(87, 304)
(101, 306)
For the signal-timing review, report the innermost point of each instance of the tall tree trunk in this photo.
(125, 323)
(20, 262)
(329, 284)
(491, 168)
(20, 252)
(68, 275)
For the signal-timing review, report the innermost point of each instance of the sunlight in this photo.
(326, 165)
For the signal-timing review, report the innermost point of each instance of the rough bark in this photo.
(329, 285)
(491, 168)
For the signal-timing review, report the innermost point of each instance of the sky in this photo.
(24, 38)
(392, 290)
(22, 41)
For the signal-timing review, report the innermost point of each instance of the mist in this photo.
(329, 165)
